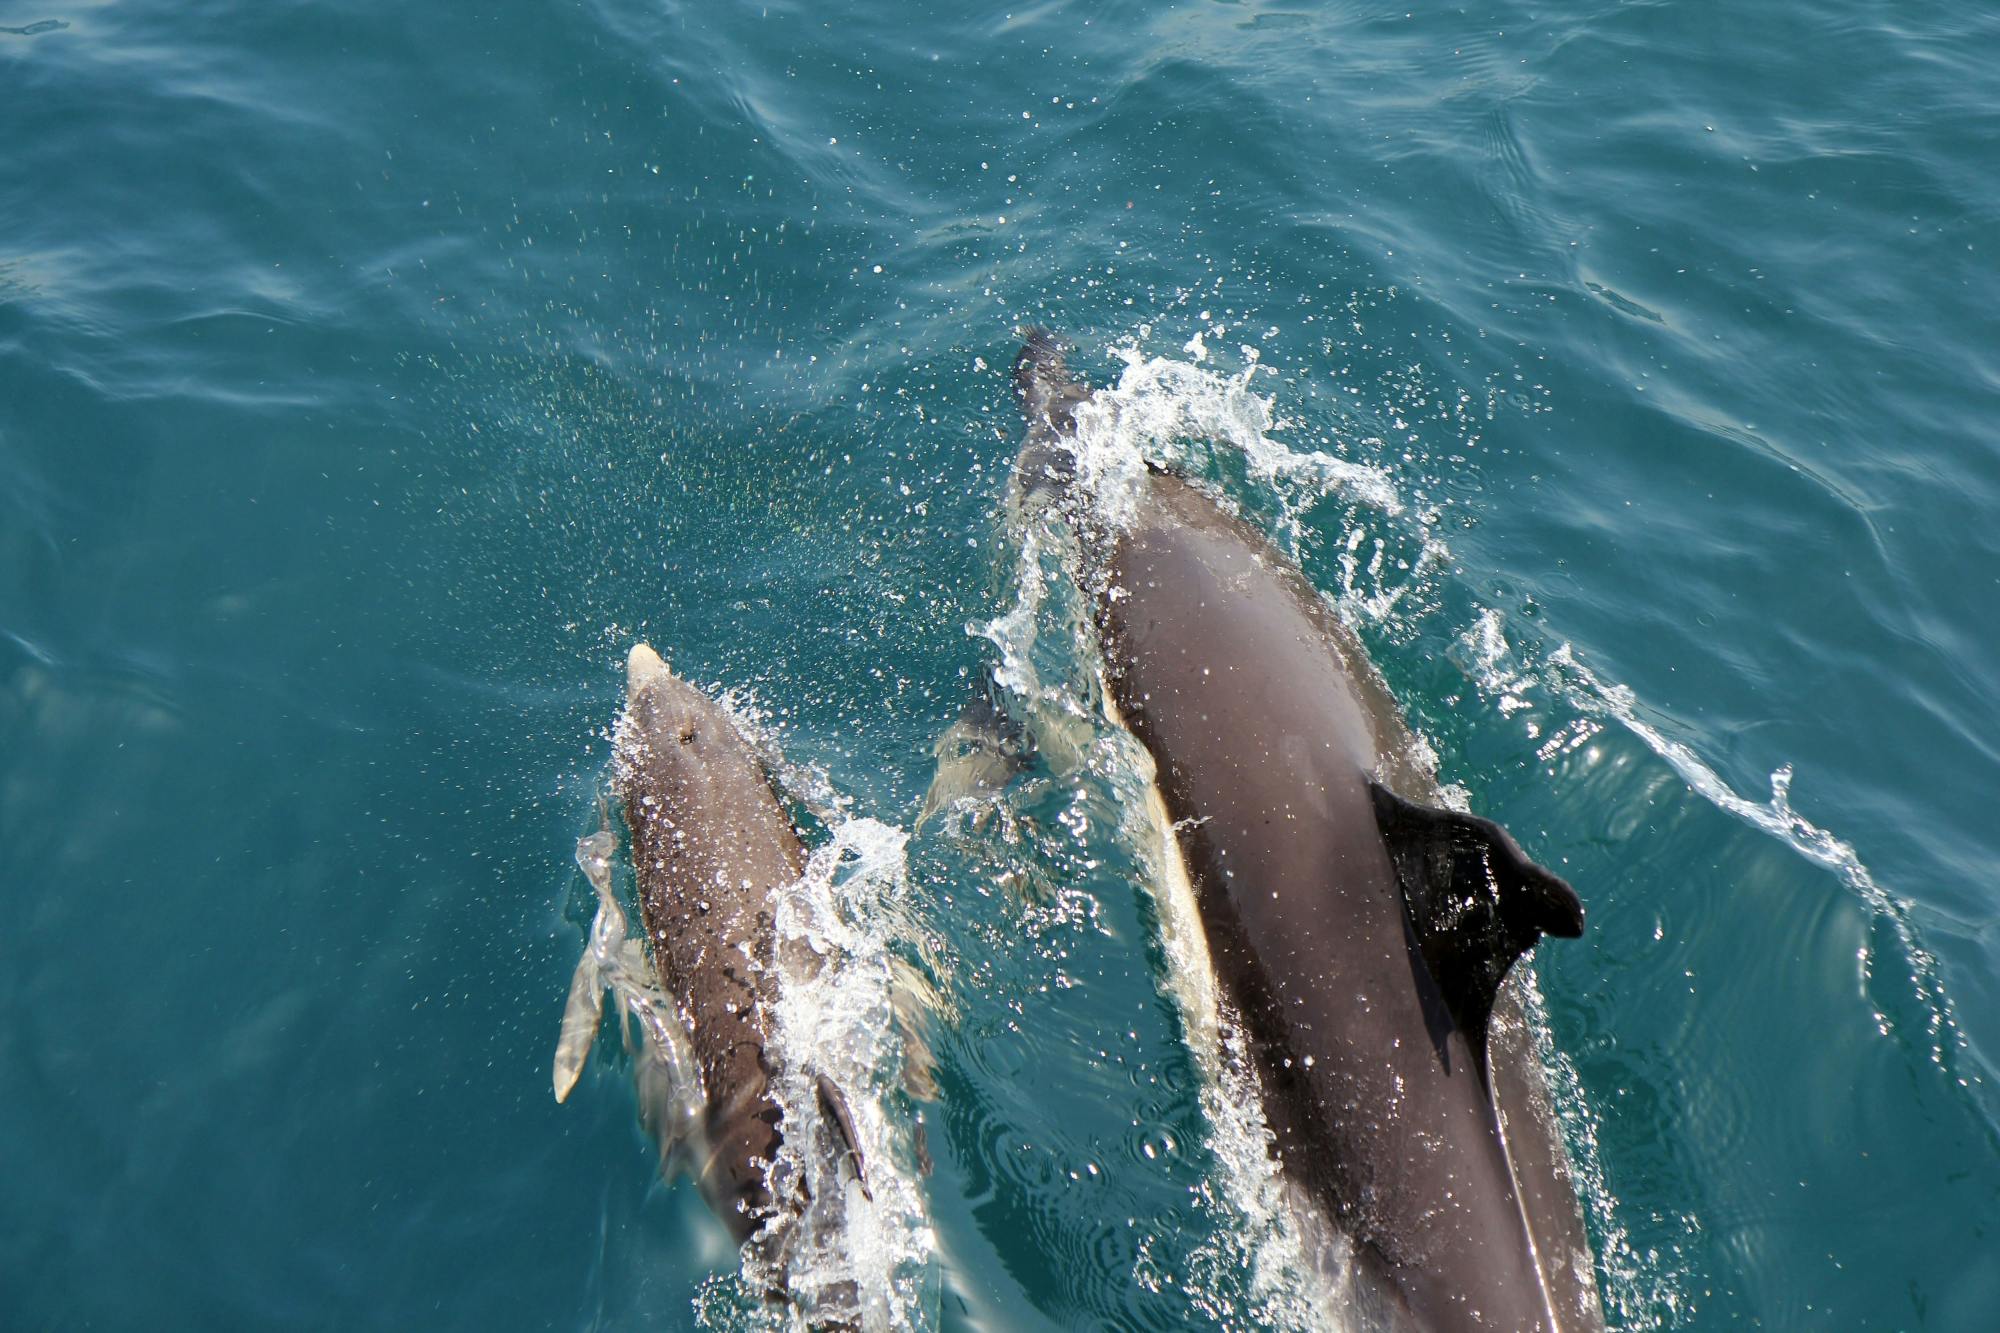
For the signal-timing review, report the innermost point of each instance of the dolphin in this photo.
(710, 845)
(1356, 931)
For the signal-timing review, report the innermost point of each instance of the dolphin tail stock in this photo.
(1476, 903)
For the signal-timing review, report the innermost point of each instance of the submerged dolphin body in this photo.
(710, 846)
(1358, 935)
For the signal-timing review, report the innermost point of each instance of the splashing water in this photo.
(1173, 414)
(837, 1017)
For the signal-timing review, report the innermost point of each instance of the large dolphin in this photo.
(1358, 932)
(710, 846)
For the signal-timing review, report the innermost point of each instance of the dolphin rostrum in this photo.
(1359, 935)
(711, 845)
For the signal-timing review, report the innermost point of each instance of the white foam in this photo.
(837, 928)
(1013, 631)
(1169, 412)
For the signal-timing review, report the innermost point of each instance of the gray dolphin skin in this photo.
(1359, 935)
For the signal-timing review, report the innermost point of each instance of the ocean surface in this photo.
(373, 375)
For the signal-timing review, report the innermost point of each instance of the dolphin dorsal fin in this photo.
(1476, 903)
(833, 1104)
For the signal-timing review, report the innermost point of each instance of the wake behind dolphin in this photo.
(1354, 933)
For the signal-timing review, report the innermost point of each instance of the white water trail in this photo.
(1581, 688)
(835, 1018)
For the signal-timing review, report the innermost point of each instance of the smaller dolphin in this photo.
(710, 846)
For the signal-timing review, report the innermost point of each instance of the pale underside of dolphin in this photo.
(1357, 934)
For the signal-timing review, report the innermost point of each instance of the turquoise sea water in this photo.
(371, 376)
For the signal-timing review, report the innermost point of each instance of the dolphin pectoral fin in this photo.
(1476, 902)
(833, 1104)
(585, 1007)
(581, 1015)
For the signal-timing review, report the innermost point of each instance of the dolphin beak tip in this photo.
(642, 664)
